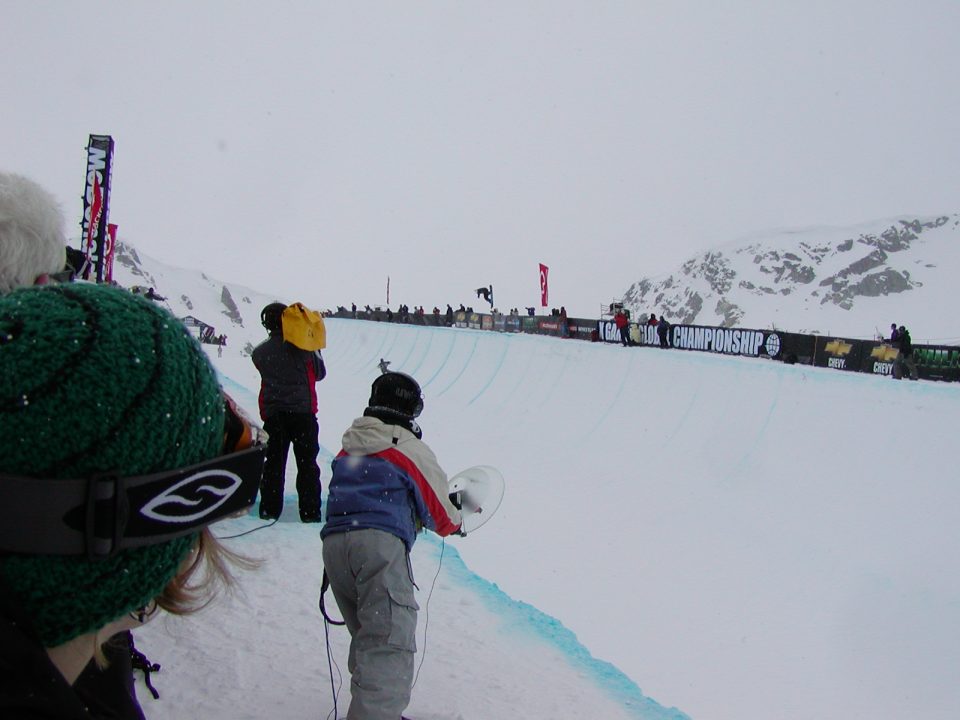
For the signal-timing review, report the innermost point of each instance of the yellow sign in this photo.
(838, 347)
(884, 353)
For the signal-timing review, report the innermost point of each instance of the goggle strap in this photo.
(101, 515)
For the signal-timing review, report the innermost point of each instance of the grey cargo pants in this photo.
(372, 582)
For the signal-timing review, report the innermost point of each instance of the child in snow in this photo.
(386, 485)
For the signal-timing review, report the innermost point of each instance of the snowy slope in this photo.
(734, 538)
(841, 281)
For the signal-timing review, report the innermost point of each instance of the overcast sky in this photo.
(313, 149)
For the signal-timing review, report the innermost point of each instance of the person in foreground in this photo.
(386, 485)
(32, 242)
(117, 449)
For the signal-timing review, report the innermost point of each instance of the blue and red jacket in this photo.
(385, 478)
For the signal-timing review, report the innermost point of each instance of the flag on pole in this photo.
(544, 292)
(109, 252)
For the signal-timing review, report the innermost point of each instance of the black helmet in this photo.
(270, 316)
(397, 391)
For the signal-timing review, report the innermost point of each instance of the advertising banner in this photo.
(878, 358)
(934, 362)
(938, 362)
(582, 329)
(797, 348)
(96, 206)
(728, 341)
(607, 331)
(506, 323)
(544, 290)
(839, 353)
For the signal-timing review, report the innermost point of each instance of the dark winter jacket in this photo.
(288, 377)
(385, 478)
(32, 688)
(905, 343)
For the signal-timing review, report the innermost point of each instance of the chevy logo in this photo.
(838, 347)
(884, 353)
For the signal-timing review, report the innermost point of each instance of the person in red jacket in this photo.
(623, 326)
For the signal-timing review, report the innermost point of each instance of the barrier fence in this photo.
(934, 362)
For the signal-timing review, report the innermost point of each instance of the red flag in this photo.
(96, 207)
(108, 252)
(544, 293)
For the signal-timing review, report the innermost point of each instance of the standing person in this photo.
(386, 485)
(905, 355)
(623, 326)
(118, 447)
(894, 333)
(288, 408)
(663, 332)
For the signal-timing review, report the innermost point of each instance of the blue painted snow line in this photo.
(466, 364)
(517, 613)
(453, 342)
(237, 391)
(496, 370)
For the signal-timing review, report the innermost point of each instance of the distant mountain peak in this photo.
(814, 280)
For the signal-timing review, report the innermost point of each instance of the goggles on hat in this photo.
(103, 514)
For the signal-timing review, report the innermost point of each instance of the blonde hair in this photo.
(206, 570)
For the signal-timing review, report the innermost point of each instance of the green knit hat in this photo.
(96, 380)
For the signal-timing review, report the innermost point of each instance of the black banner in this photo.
(96, 206)
(582, 329)
(934, 362)
(838, 353)
(797, 348)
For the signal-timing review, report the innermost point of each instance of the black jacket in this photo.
(32, 688)
(904, 343)
(288, 377)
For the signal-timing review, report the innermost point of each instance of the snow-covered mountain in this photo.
(848, 281)
(233, 310)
